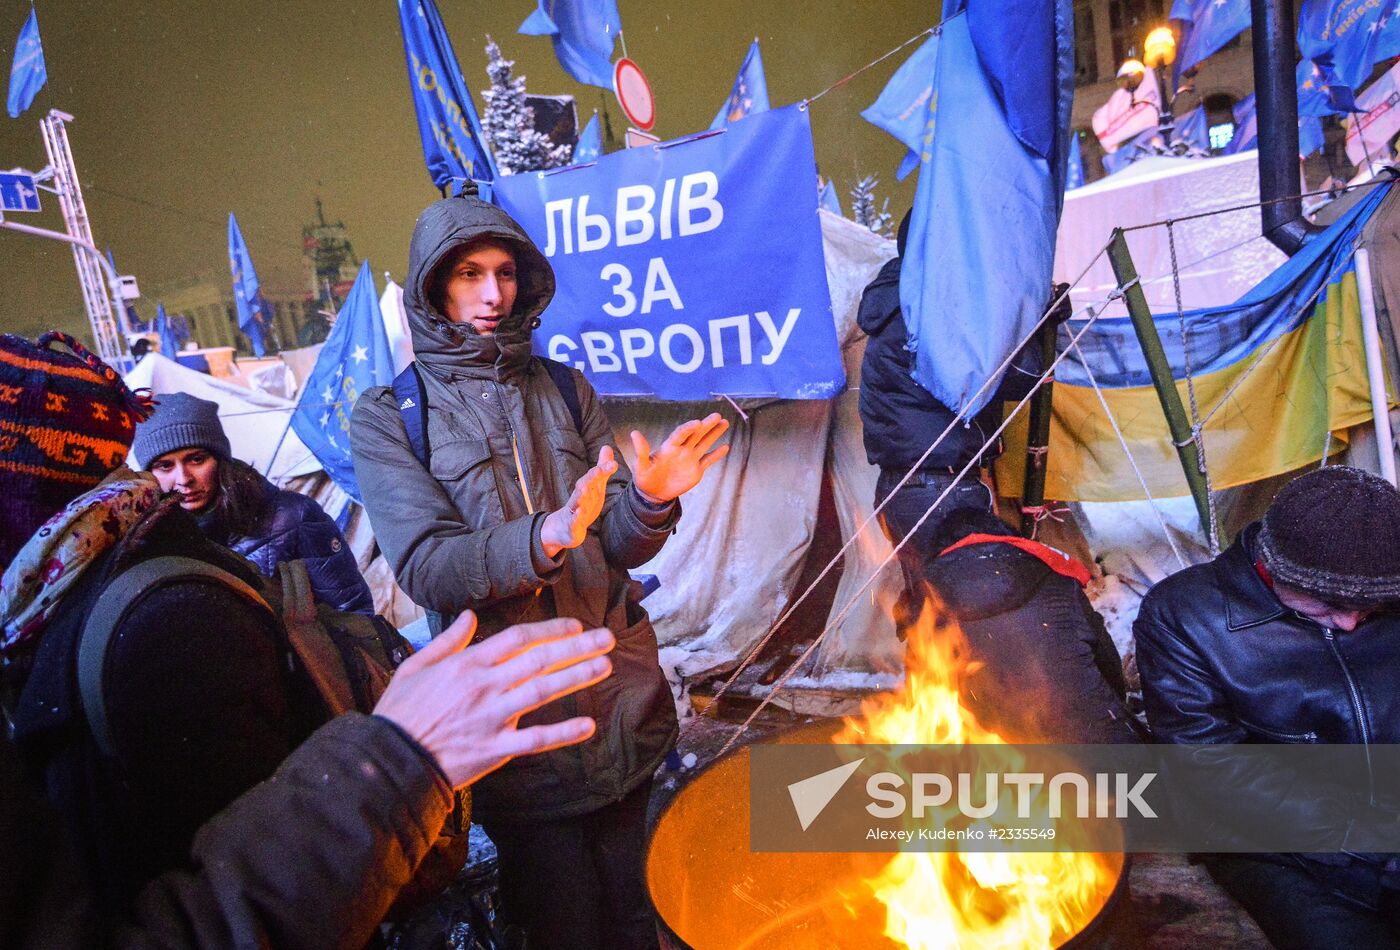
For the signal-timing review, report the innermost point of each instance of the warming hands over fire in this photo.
(463, 703)
(681, 461)
(567, 527)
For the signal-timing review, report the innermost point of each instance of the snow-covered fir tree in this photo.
(863, 207)
(509, 123)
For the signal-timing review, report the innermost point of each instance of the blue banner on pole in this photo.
(447, 120)
(27, 70)
(590, 143)
(247, 295)
(750, 91)
(666, 260)
(355, 357)
(1355, 34)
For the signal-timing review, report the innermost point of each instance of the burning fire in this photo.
(974, 899)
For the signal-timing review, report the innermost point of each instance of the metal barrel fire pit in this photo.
(711, 891)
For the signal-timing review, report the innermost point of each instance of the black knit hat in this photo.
(1335, 534)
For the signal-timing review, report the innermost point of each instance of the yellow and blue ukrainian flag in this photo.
(1288, 354)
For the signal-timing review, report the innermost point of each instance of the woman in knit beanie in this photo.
(184, 446)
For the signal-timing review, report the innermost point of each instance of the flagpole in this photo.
(287, 428)
(1375, 368)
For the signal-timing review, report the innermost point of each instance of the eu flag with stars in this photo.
(27, 72)
(1206, 26)
(590, 143)
(447, 122)
(750, 92)
(1320, 92)
(991, 185)
(903, 105)
(1357, 33)
(584, 33)
(247, 297)
(355, 357)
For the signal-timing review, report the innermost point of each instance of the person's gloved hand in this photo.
(1059, 304)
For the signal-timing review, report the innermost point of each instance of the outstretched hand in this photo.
(567, 527)
(682, 460)
(462, 703)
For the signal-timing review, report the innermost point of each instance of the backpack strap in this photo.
(568, 388)
(412, 397)
(320, 657)
(106, 615)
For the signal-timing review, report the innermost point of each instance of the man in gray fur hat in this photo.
(1290, 636)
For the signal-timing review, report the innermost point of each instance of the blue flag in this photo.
(447, 120)
(750, 92)
(1246, 128)
(590, 143)
(830, 200)
(355, 357)
(982, 237)
(1357, 33)
(1193, 129)
(584, 33)
(903, 105)
(169, 342)
(1074, 172)
(247, 297)
(27, 73)
(1320, 92)
(1206, 26)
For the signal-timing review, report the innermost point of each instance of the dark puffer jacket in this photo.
(1224, 661)
(459, 534)
(293, 527)
(900, 417)
(1049, 671)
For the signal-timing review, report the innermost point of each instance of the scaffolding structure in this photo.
(103, 295)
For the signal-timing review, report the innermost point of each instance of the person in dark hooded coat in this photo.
(901, 419)
(520, 514)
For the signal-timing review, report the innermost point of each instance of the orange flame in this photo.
(970, 899)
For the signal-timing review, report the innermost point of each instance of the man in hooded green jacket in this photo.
(522, 515)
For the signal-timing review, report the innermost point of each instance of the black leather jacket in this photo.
(1223, 661)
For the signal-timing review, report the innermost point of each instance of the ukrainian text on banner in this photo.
(1284, 365)
(689, 269)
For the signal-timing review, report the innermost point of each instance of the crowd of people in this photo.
(174, 773)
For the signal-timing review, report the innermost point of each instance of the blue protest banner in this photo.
(691, 268)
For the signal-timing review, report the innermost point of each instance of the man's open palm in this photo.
(681, 461)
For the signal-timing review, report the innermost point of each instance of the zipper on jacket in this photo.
(521, 475)
(1331, 639)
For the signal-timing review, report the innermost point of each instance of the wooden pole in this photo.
(1125, 272)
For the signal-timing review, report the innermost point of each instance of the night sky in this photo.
(185, 112)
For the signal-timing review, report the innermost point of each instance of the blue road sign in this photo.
(17, 193)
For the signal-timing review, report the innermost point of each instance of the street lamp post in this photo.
(1159, 51)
